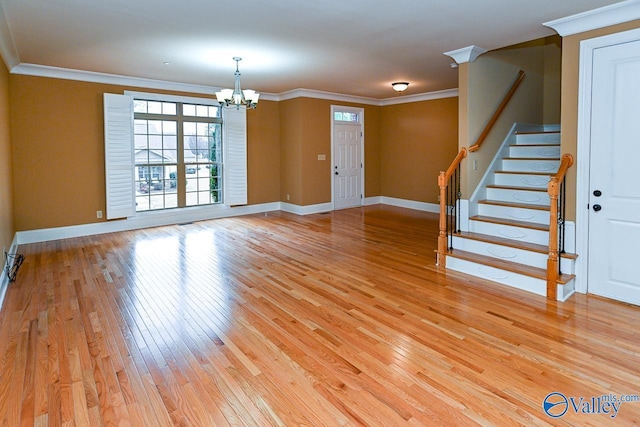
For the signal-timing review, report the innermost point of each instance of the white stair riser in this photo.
(519, 180)
(506, 253)
(534, 151)
(517, 214)
(510, 232)
(518, 196)
(565, 291)
(550, 138)
(514, 280)
(508, 278)
(516, 165)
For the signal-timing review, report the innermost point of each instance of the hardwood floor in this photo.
(277, 319)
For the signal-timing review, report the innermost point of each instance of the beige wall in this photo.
(58, 150)
(58, 157)
(6, 185)
(263, 153)
(569, 115)
(291, 151)
(305, 133)
(418, 140)
(489, 79)
(552, 81)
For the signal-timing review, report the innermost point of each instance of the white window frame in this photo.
(120, 170)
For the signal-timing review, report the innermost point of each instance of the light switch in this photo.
(322, 157)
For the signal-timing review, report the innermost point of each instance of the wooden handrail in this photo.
(553, 189)
(454, 165)
(498, 112)
(443, 179)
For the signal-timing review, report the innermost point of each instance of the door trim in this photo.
(587, 48)
(360, 112)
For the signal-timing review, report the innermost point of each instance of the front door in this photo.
(614, 183)
(347, 164)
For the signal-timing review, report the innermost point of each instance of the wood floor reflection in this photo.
(278, 319)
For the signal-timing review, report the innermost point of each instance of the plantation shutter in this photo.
(234, 134)
(119, 160)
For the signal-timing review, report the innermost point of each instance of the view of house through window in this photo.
(178, 154)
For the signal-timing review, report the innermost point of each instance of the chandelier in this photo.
(236, 96)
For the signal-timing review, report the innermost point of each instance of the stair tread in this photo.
(515, 187)
(516, 244)
(514, 205)
(511, 222)
(537, 132)
(534, 145)
(537, 159)
(527, 270)
(527, 173)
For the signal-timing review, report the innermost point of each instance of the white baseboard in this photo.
(410, 204)
(376, 200)
(306, 210)
(144, 220)
(170, 217)
(4, 277)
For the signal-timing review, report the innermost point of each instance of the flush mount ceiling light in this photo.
(400, 86)
(236, 96)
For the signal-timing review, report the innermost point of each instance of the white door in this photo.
(614, 183)
(347, 164)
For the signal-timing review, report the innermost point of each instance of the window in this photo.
(164, 151)
(178, 154)
(344, 116)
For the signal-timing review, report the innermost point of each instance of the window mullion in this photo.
(181, 172)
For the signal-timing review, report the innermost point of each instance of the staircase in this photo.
(506, 238)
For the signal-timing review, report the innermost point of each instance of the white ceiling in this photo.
(351, 47)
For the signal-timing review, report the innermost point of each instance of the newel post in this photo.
(552, 262)
(442, 234)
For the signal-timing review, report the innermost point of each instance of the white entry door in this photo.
(614, 183)
(347, 165)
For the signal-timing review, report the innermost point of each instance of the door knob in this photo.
(597, 207)
(597, 193)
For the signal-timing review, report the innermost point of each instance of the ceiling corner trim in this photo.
(331, 96)
(137, 82)
(617, 13)
(428, 96)
(93, 77)
(466, 54)
(7, 47)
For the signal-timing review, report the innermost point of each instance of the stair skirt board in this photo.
(506, 253)
(510, 232)
(516, 213)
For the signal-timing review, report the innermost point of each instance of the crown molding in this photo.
(7, 48)
(104, 78)
(331, 96)
(597, 18)
(137, 82)
(466, 54)
(428, 96)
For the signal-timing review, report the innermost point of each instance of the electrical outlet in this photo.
(99, 214)
(288, 197)
(475, 165)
